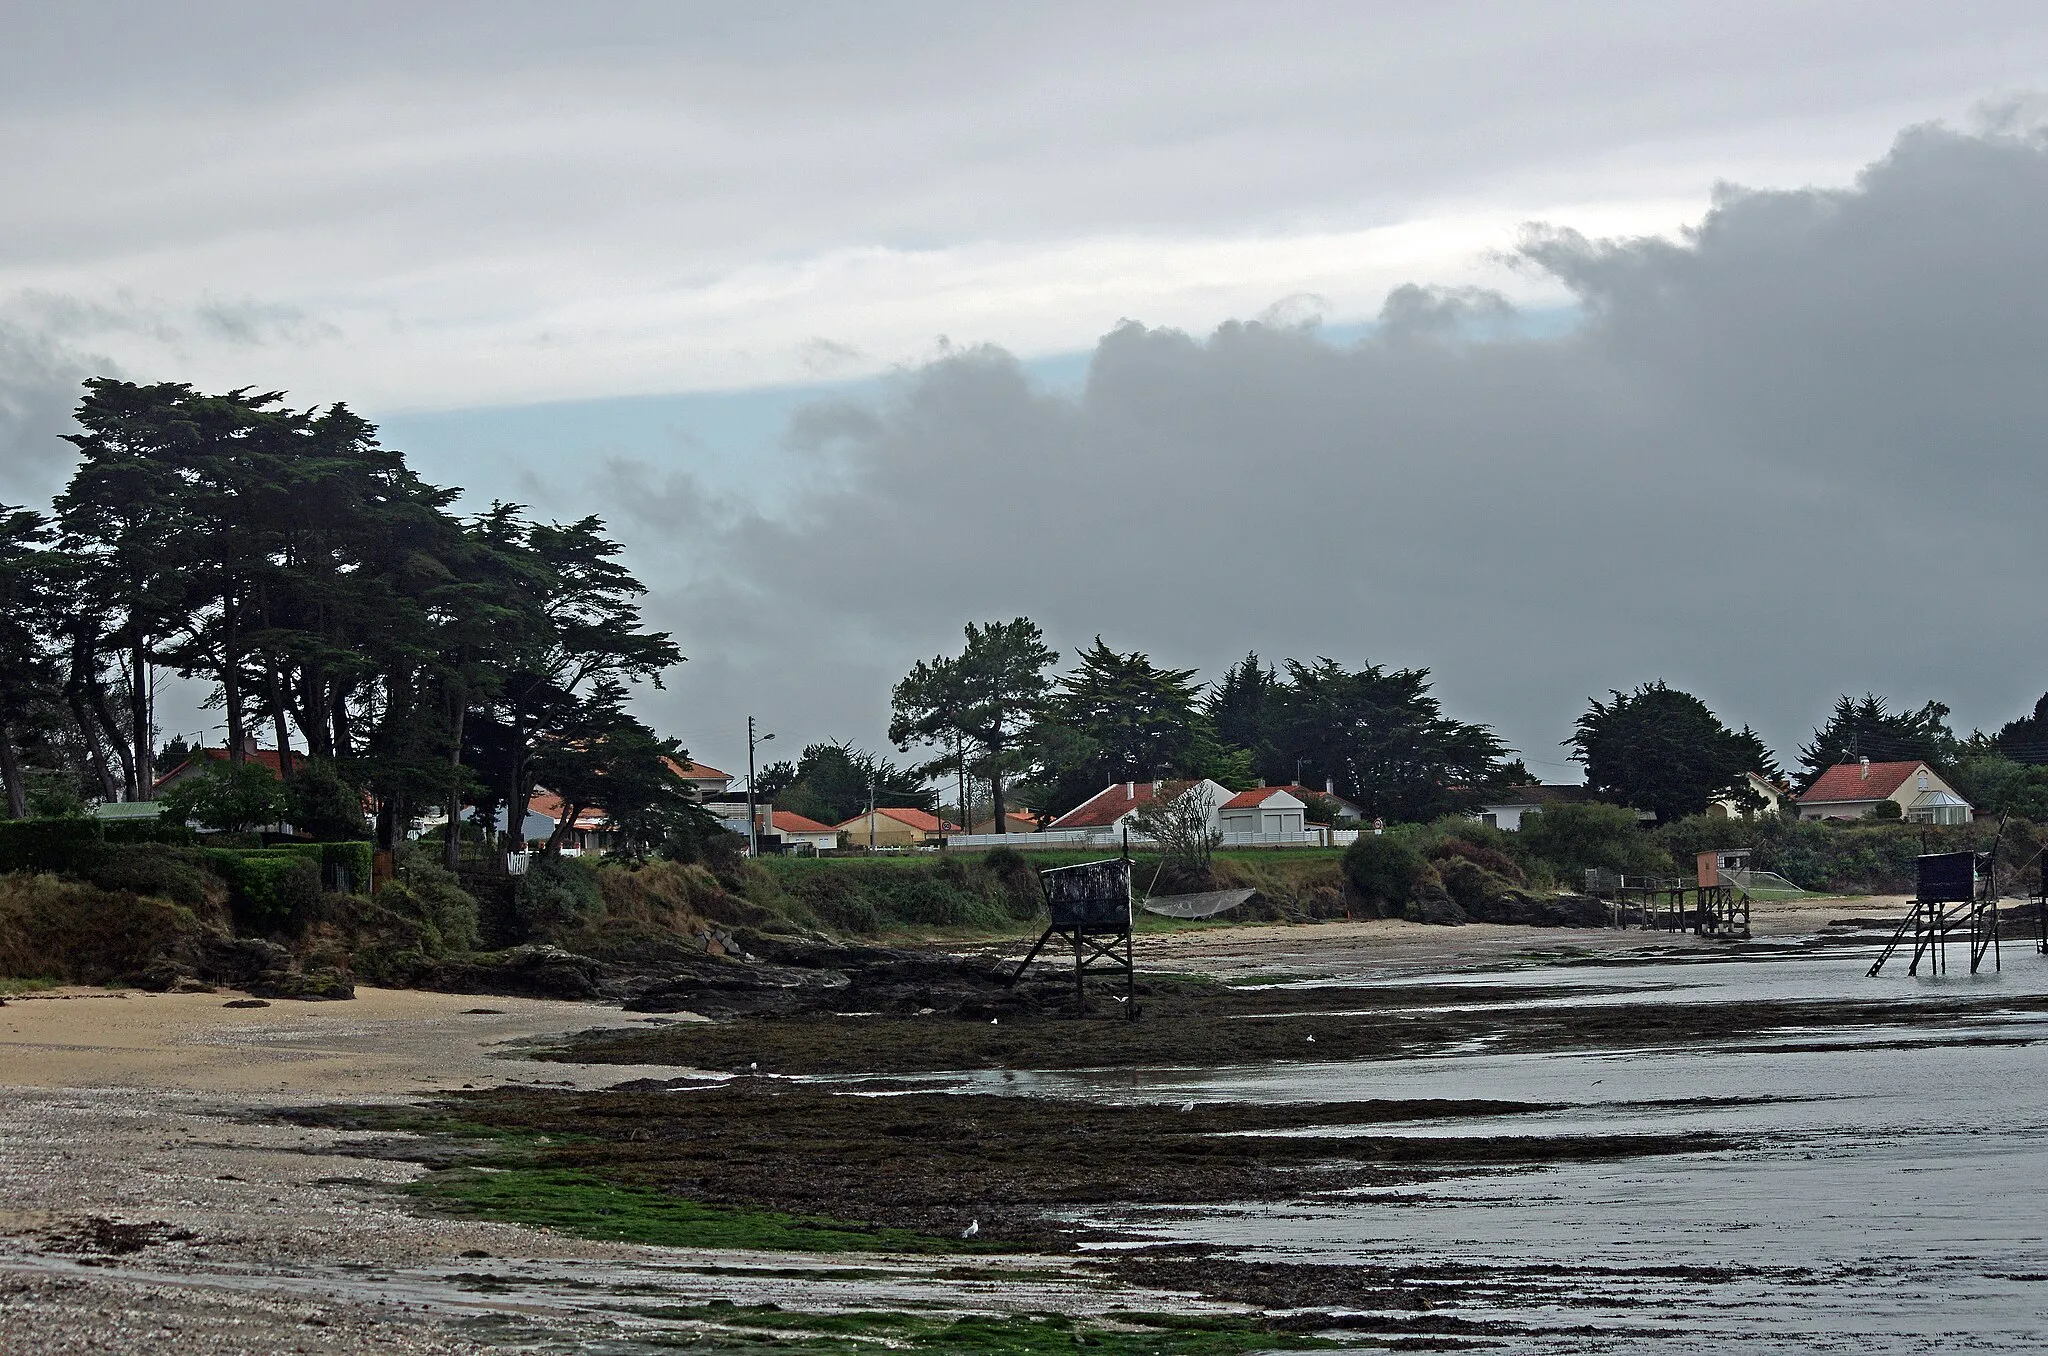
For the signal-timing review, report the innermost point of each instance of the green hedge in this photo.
(77, 843)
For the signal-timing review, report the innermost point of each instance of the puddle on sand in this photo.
(1885, 1197)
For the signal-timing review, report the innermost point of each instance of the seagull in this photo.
(1120, 998)
(973, 1228)
(994, 1020)
(1311, 1040)
(1187, 1107)
(755, 1067)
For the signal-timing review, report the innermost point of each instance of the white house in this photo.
(1855, 790)
(1268, 812)
(1773, 796)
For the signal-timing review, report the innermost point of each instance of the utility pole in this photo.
(753, 825)
(871, 812)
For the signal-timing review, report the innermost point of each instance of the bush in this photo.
(557, 892)
(269, 888)
(1384, 871)
(429, 892)
(1572, 838)
(1473, 887)
(1491, 860)
(152, 869)
(71, 844)
(78, 933)
(233, 797)
(1888, 809)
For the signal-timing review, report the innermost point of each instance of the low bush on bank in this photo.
(1859, 857)
(74, 932)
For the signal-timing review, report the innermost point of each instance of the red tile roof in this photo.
(1302, 793)
(789, 821)
(1111, 803)
(916, 819)
(696, 772)
(1257, 796)
(1845, 781)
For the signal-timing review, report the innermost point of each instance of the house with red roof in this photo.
(1265, 813)
(1855, 790)
(894, 826)
(708, 782)
(1113, 806)
(796, 830)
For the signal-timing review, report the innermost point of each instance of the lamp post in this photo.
(753, 825)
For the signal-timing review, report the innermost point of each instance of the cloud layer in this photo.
(434, 207)
(1797, 452)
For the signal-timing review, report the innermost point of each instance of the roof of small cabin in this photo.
(1256, 797)
(1846, 782)
(789, 821)
(923, 820)
(1302, 793)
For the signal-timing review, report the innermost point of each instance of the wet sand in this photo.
(234, 1232)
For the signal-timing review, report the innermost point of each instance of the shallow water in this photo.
(1890, 1193)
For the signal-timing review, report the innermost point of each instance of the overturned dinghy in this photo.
(1206, 905)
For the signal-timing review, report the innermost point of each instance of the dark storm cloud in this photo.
(1798, 452)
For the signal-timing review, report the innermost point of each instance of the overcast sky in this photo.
(1701, 342)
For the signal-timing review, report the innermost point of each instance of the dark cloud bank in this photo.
(1799, 452)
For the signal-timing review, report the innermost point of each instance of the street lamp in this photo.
(753, 827)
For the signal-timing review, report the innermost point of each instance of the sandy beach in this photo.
(146, 1203)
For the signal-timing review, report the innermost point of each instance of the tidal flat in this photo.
(1654, 1144)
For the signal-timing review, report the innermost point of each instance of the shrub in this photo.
(1471, 885)
(1383, 870)
(269, 888)
(234, 797)
(1492, 860)
(1887, 809)
(425, 890)
(151, 869)
(557, 892)
(78, 933)
(70, 844)
(1574, 837)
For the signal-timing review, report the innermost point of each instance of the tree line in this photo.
(331, 598)
(994, 713)
(1660, 749)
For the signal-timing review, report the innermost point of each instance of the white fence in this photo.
(1114, 838)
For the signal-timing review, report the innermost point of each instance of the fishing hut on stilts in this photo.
(1090, 906)
(1714, 904)
(1955, 898)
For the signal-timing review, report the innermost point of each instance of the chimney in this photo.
(1130, 790)
(249, 745)
(1329, 786)
(1866, 769)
